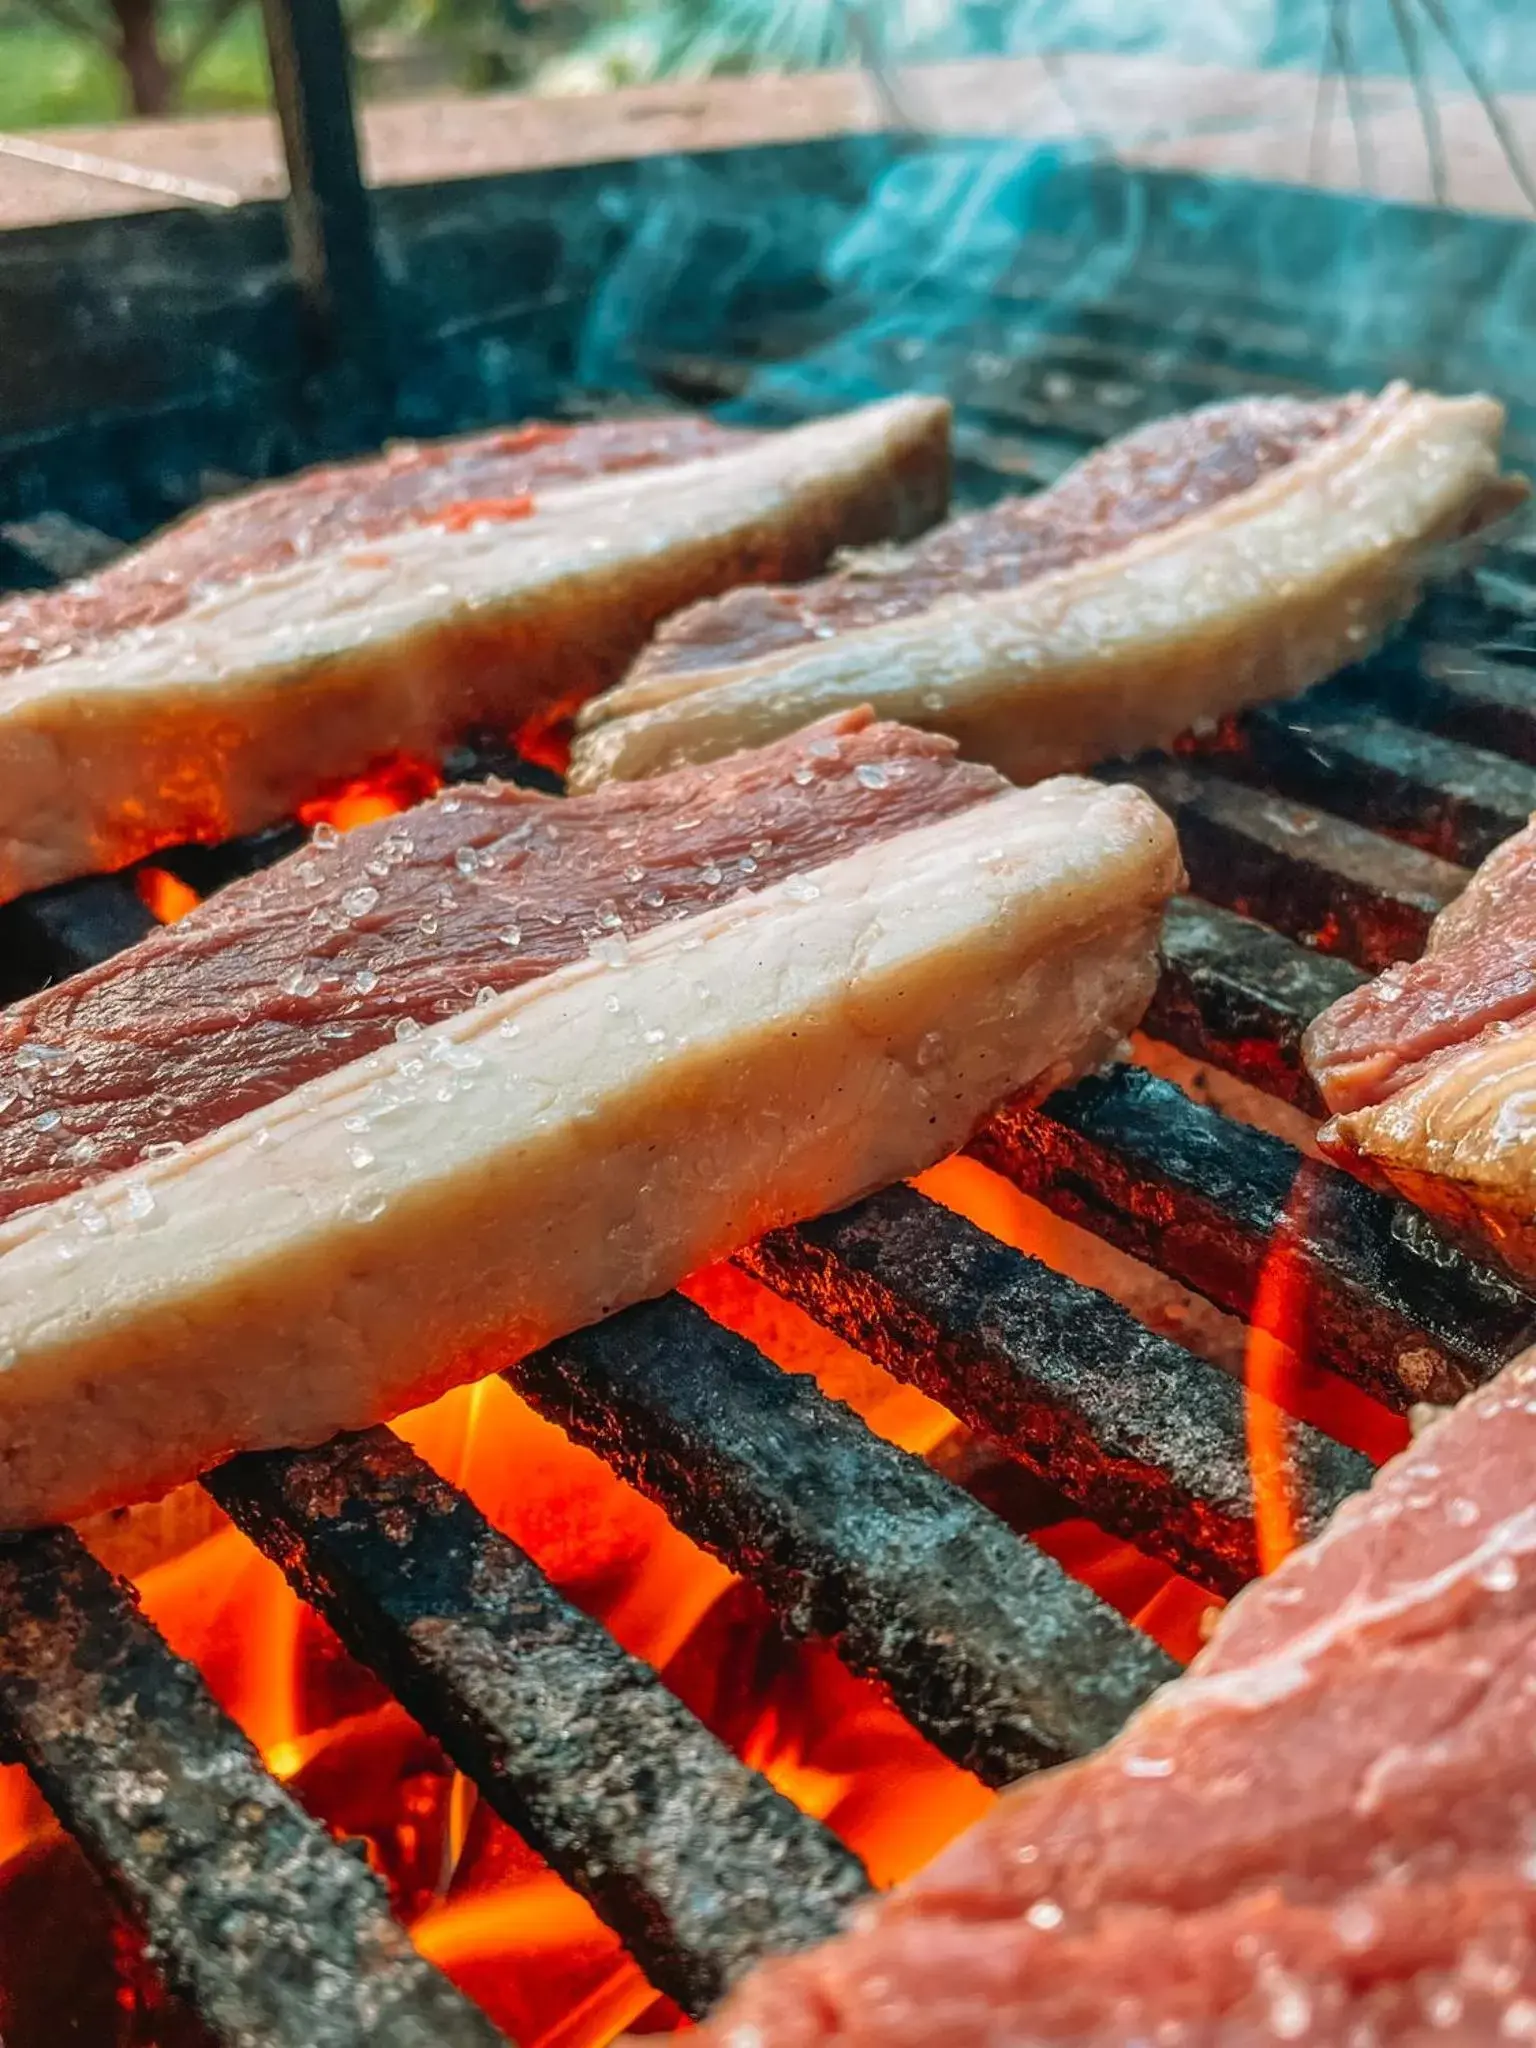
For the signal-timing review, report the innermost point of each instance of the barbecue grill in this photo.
(1321, 838)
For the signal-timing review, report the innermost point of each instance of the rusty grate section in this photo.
(1321, 839)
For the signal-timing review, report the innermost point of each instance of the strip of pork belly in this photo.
(420, 1216)
(1193, 575)
(1323, 1832)
(1477, 974)
(1430, 1069)
(1146, 481)
(333, 952)
(334, 639)
(337, 506)
(1458, 1139)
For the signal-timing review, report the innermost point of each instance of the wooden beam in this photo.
(330, 212)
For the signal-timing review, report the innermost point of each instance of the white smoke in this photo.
(1137, 206)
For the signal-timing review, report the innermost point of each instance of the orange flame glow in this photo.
(166, 896)
(1284, 1384)
(1272, 1370)
(387, 787)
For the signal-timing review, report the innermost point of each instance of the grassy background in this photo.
(47, 76)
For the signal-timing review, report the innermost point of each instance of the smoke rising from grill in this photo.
(1125, 211)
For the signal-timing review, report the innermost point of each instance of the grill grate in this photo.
(1204, 1198)
(274, 1932)
(1003, 1661)
(1321, 837)
(1141, 1434)
(696, 1861)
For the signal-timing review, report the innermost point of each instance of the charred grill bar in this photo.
(696, 1861)
(1320, 879)
(271, 1930)
(1442, 795)
(1389, 1304)
(1141, 1434)
(1240, 995)
(1322, 837)
(987, 1646)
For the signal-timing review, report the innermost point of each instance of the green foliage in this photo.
(48, 75)
(499, 42)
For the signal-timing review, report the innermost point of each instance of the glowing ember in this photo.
(165, 895)
(546, 738)
(387, 787)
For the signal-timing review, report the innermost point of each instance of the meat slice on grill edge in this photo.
(1322, 1832)
(1203, 563)
(676, 1016)
(275, 643)
(1430, 1069)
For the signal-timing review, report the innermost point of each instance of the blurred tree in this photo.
(158, 44)
(155, 65)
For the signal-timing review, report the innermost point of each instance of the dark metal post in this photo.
(330, 213)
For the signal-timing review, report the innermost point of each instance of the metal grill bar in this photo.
(1320, 879)
(985, 1644)
(1144, 1436)
(57, 932)
(694, 1860)
(1477, 698)
(1451, 799)
(275, 1933)
(207, 868)
(1239, 995)
(1389, 1304)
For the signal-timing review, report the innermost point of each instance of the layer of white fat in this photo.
(584, 1142)
(1257, 596)
(388, 589)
